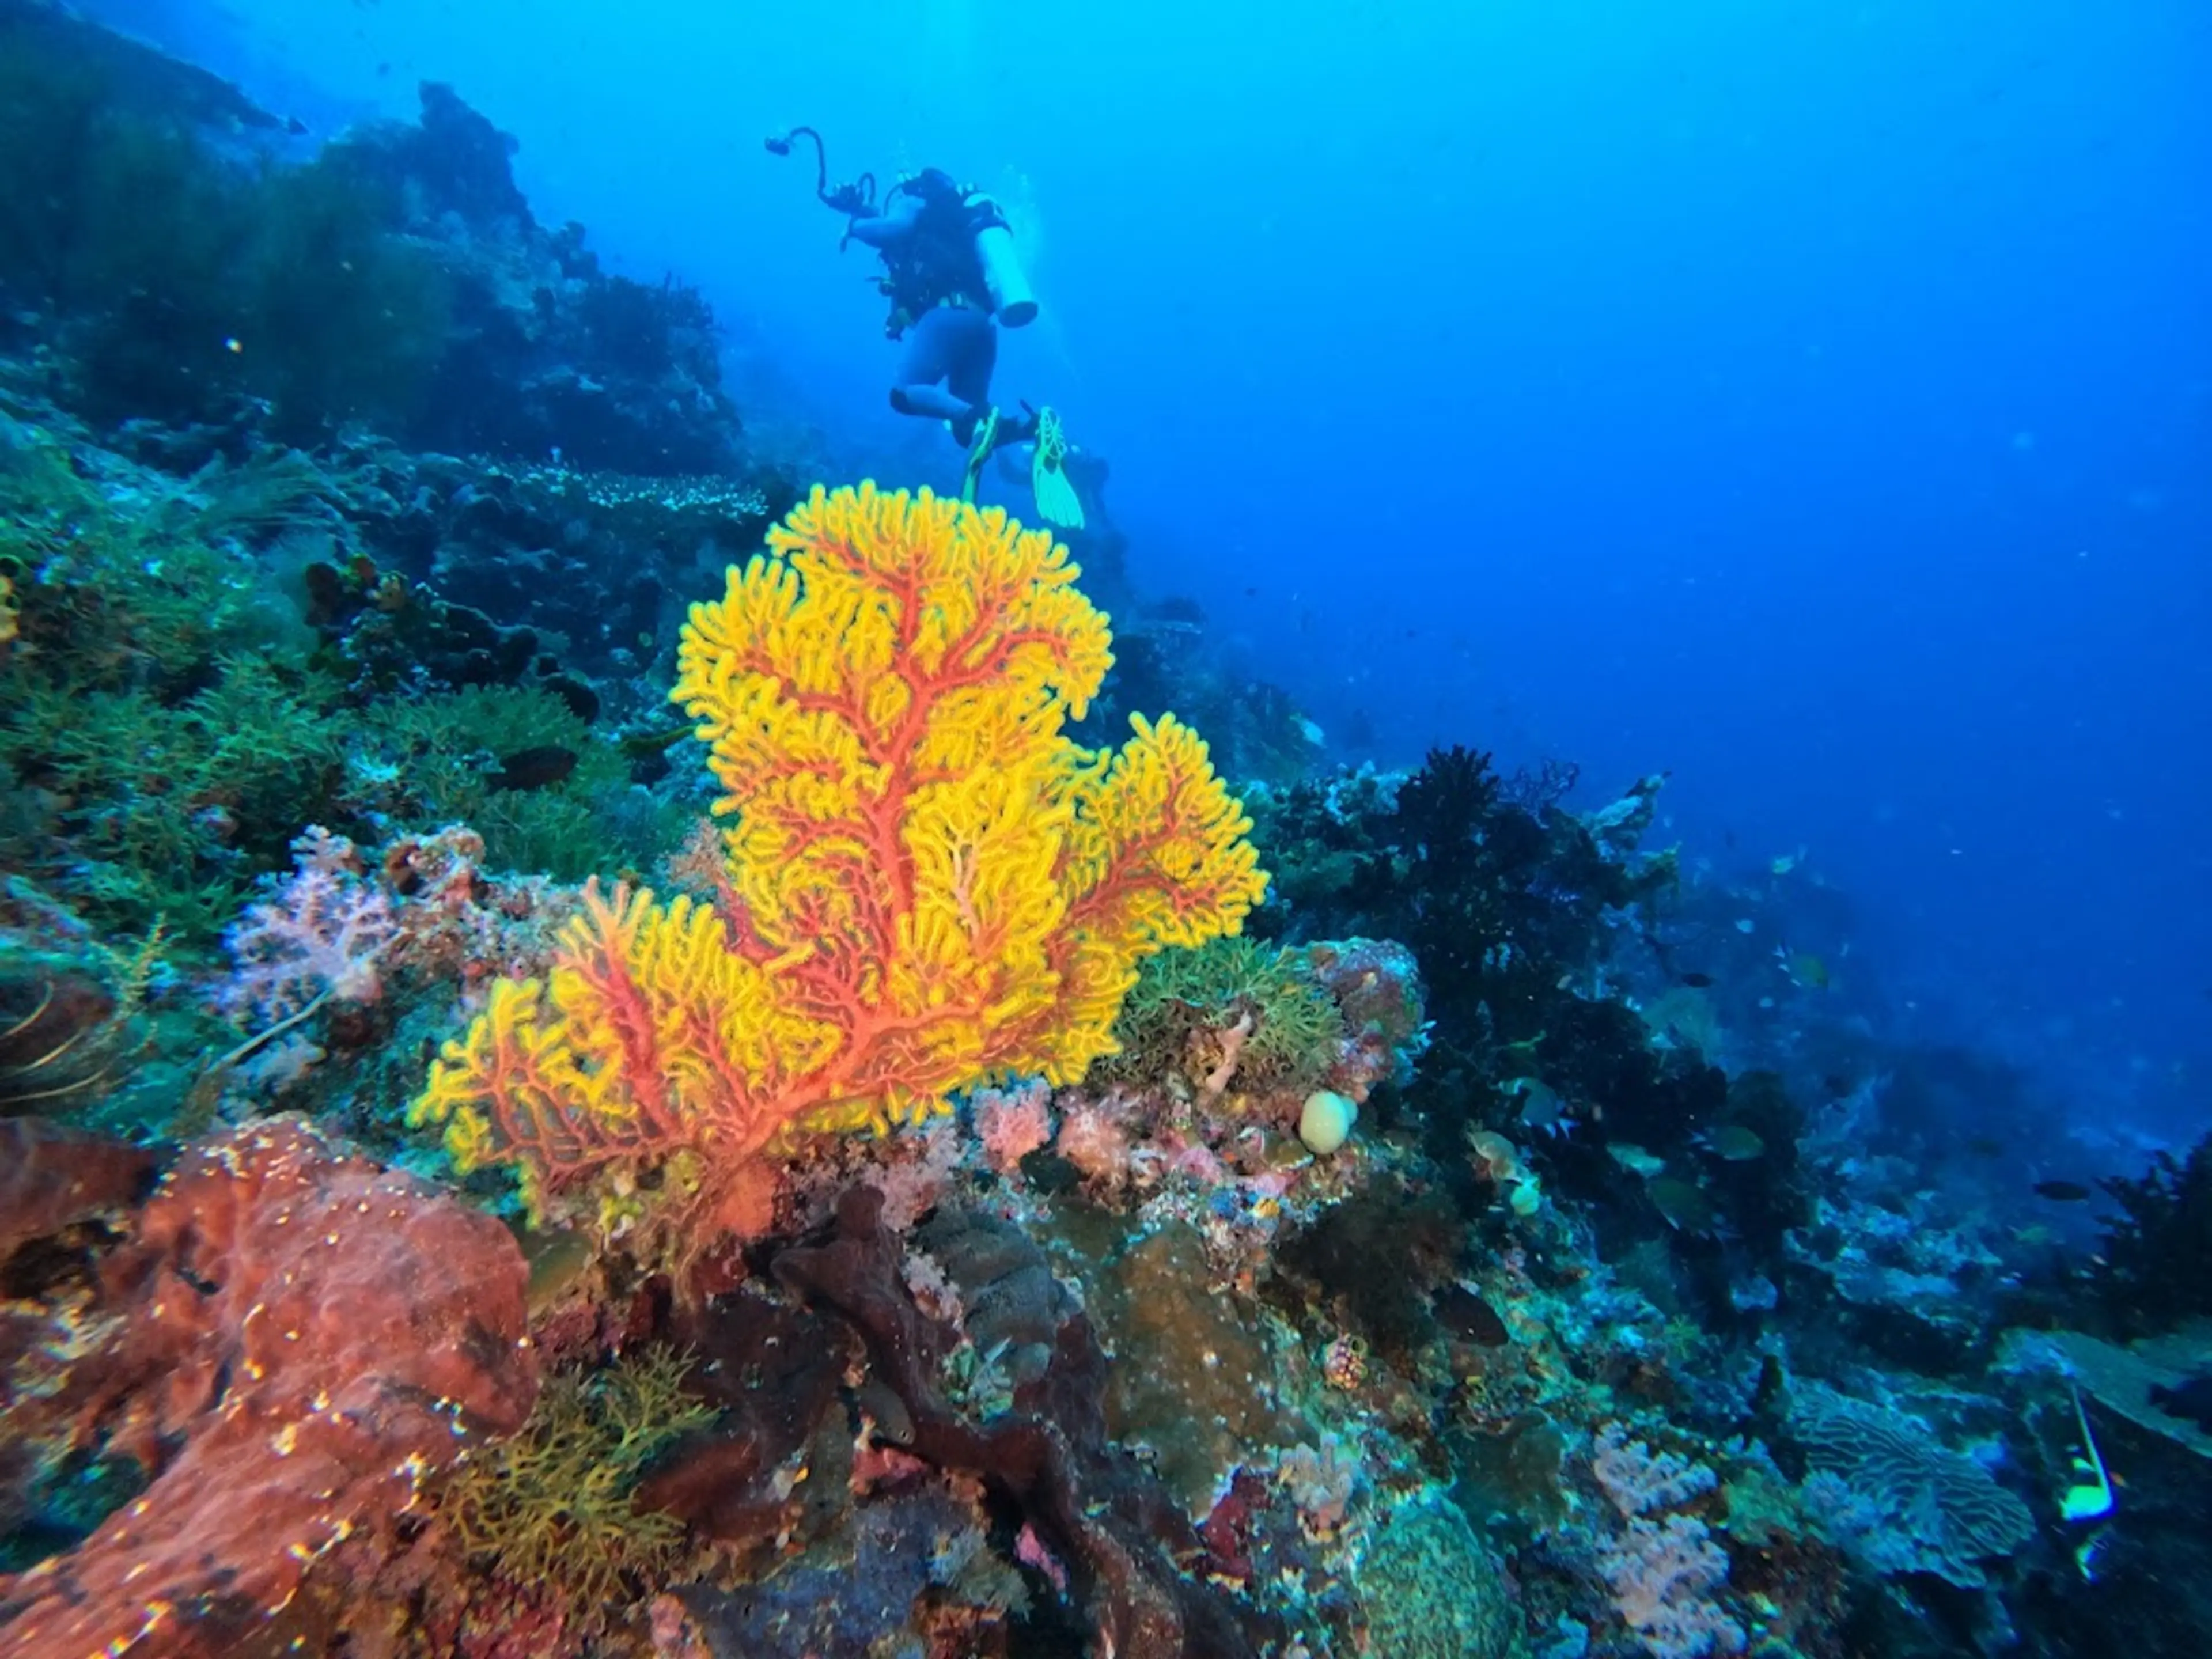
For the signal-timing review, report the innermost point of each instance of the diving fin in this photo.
(1056, 501)
(979, 452)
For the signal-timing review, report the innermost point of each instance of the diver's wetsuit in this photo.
(945, 372)
(942, 305)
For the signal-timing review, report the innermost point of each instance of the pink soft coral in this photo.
(323, 934)
(1659, 1575)
(1012, 1122)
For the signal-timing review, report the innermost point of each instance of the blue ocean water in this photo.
(1813, 401)
(452, 1201)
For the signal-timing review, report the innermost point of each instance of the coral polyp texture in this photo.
(925, 882)
(299, 1340)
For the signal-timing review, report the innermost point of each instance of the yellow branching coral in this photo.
(927, 883)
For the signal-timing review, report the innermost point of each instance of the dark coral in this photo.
(895, 1558)
(2154, 1271)
(546, 354)
(1512, 905)
(1049, 1458)
(1012, 1304)
(1372, 1259)
(1504, 908)
(385, 635)
(774, 1372)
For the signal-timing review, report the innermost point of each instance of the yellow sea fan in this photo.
(930, 883)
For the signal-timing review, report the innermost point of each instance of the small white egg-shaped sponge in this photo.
(1327, 1121)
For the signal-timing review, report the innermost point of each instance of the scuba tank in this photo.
(1011, 302)
(981, 221)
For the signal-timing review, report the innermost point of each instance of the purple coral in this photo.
(1659, 1572)
(323, 934)
(1639, 1479)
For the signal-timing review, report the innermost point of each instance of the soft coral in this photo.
(323, 933)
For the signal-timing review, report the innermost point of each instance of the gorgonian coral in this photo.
(925, 883)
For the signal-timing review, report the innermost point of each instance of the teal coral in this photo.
(1184, 1001)
(1431, 1590)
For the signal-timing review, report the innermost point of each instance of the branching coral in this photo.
(927, 882)
(2154, 1267)
(550, 1508)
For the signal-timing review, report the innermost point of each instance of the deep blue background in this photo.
(1812, 399)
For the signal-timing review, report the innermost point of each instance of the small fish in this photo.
(1684, 1205)
(558, 1260)
(1540, 1105)
(1787, 862)
(1464, 1313)
(1986, 1146)
(2064, 1191)
(1698, 981)
(1732, 1143)
(1634, 1160)
(655, 743)
(535, 769)
(1804, 967)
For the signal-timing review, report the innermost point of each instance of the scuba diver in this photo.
(952, 278)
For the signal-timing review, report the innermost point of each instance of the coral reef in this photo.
(171, 724)
(184, 286)
(941, 1230)
(544, 353)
